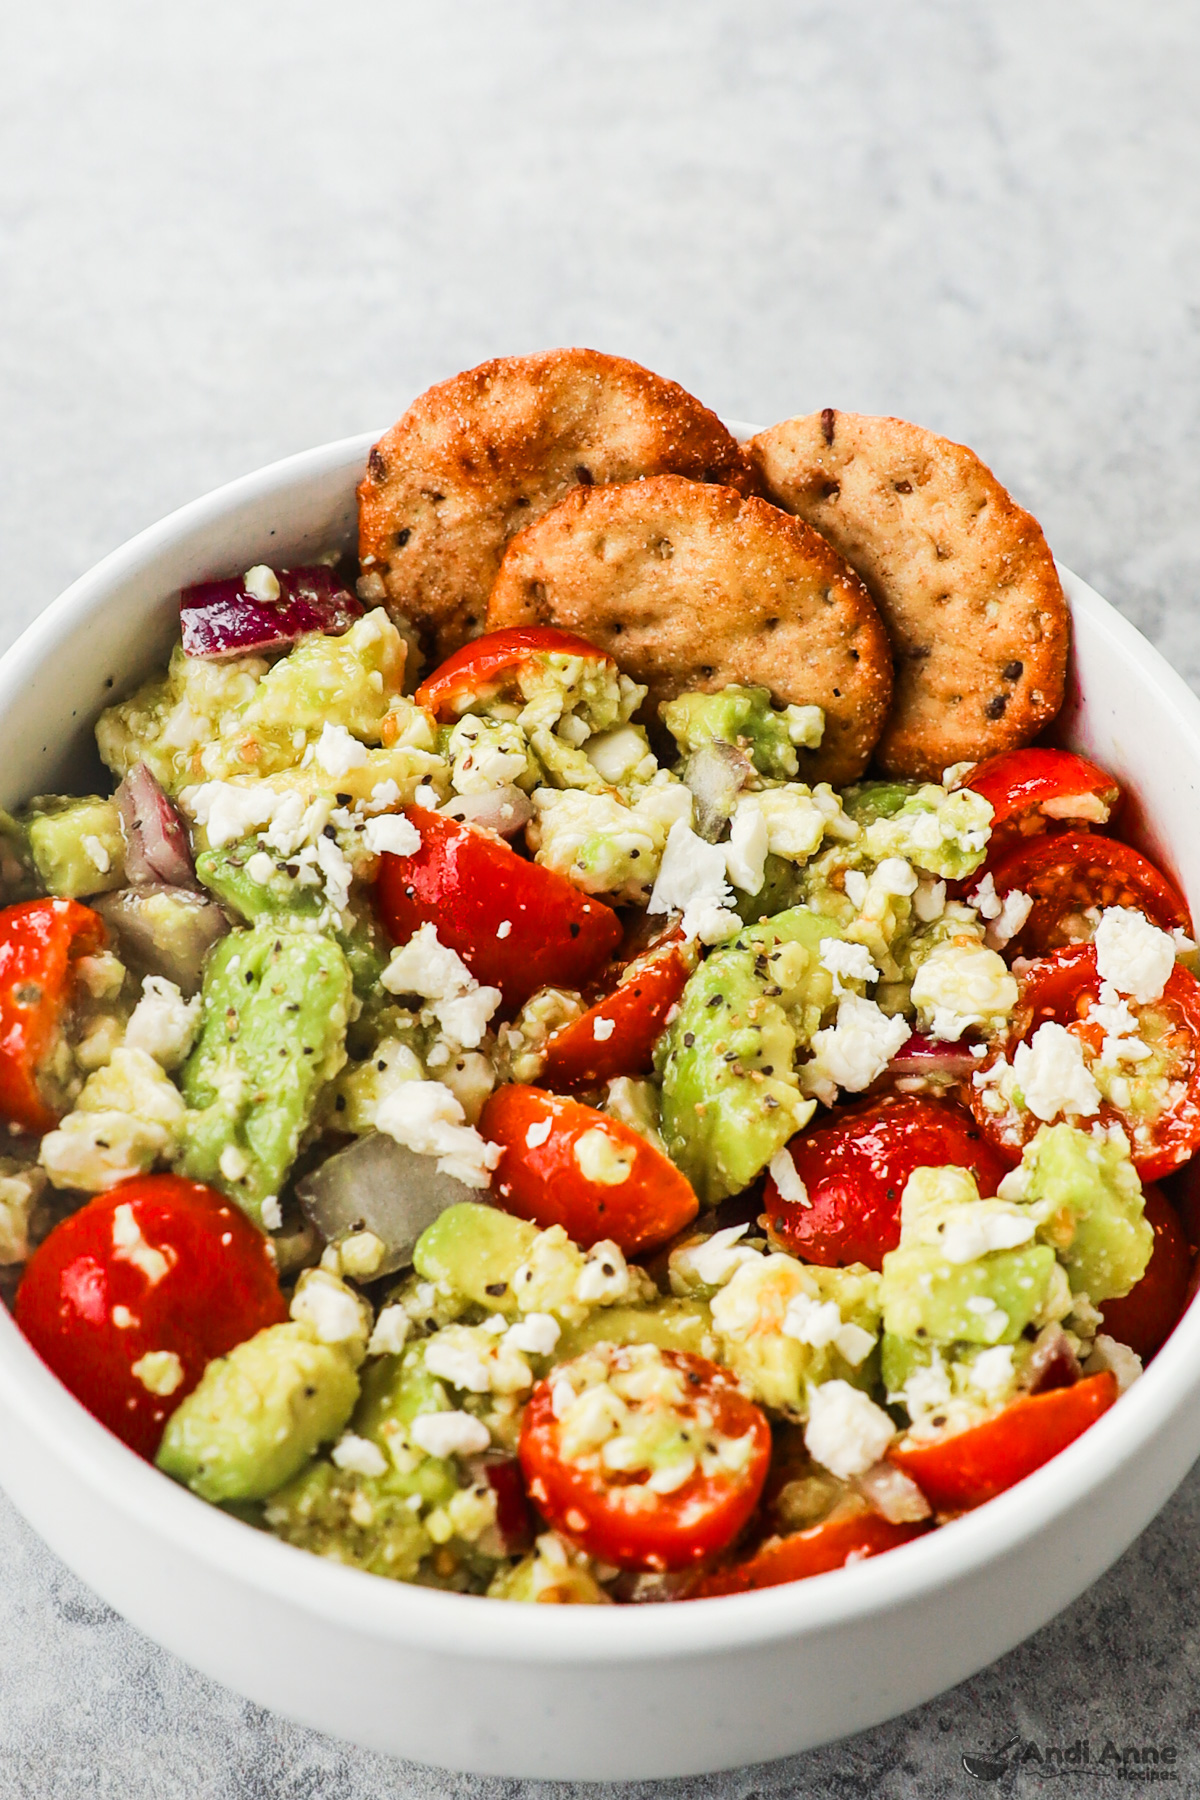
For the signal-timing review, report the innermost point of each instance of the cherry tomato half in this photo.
(482, 667)
(618, 1034)
(130, 1298)
(516, 925)
(965, 1468)
(39, 941)
(698, 1412)
(1062, 987)
(1034, 790)
(844, 1538)
(855, 1164)
(1065, 875)
(567, 1164)
(1146, 1316)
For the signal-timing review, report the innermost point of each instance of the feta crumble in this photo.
(392, 832)
(337, 752)
(692, 881)
(159, 1371)
(358, 1456)
(786, 1176)
(261, 583)
(846, 1432)
(1134, 955)
(449, 1434)
(425, 1116)
(855, 1050)
(163, 1023)
(1052, 1075)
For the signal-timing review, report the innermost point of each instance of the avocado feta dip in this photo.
(534, 1144)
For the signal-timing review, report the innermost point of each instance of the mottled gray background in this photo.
(233, 230)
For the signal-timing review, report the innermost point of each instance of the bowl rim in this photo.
(469, 1625)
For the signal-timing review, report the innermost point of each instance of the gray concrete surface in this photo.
(231, 231)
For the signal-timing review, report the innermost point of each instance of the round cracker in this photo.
(962, 575)
(482, 455)
(692, 586)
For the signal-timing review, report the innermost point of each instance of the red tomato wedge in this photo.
(832, 1544)
(1146, 1316)
(1034, 790)
(516, 925)
(617, 1036)
(567, 1164)
(855, 1164)
(1062, 987)
(694, 1411)
(39, 941)
(1064, 875)
(966, 1468)
(482, 667)
(130, 1298)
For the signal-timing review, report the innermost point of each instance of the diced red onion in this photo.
(174, 945)
(220, 619)
(157, 849)
(919, 1055)
(893, 1494)
(716, 773)
(1052, 1363)
(504, 810)
(514, 1521)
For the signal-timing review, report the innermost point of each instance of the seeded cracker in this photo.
(478, 457)
(694, 586)
(963, 577)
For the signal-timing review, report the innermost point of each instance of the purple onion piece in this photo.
(514, 1521)
(220, 619)
(1052, 1362)
(504, 810)
(920, 1055)
(157, 849)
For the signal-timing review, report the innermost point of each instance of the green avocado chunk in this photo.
(1088, 1192)
(75, 844)
(987, 1301)
(670, 1324)
(365, 944)
(867, 801)
(258, 1414)
(475, 1251)
(276, 1004)
(730, 1098)
(741, 715)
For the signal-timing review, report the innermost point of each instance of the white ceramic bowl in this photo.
(574, 1692)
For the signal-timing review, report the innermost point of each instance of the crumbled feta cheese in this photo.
(159, 1371)
(856, 884)
(853, 1052)
(391, 1328)
(261, 583)
(895, 876)
(103, 975)
(454, 1355)
(97, 854)
(854, 1343)
(786, 1176)
(232, 1163)
(426, 967)
(746, 850)
(425, 1116)
(929, 901)
(713, 1261)
(129, 1245)
(1107, 1353)
(622, 754)
(960, 985)
(394, 833)
(358, 1456)
(604, 1159)
(449, 1434)
(1052, 1076)
(538, 1133)
(163, 1023)
(260, 868)
(846, 962)
(602, 1029)
(19, 1194)
(536, 1334)
(1076, 806)
(969, 1232)
(992, 1370)
(846, 1432)
(360, 1254)
(504, 928)
(809, 1321)
(1132, 954)
(228, 812)
(271, 1213)
(337, 752)
(333, 1311)
(1121, 1041)
(691, 880)
(604, 1277)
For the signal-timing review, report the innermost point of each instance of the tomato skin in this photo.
(218, 1287)
(544, 1182)
(663, 1531)
(468, 882)
(484, 663)
(966, 1468)
(1060, 987)
(1021, 784)
(39, 939)
(855, 1164)
(636, 1009)
(1146, 1316)
(830, 1545)
(1066, 873)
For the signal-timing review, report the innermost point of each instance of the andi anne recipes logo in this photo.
(1085, 1760)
